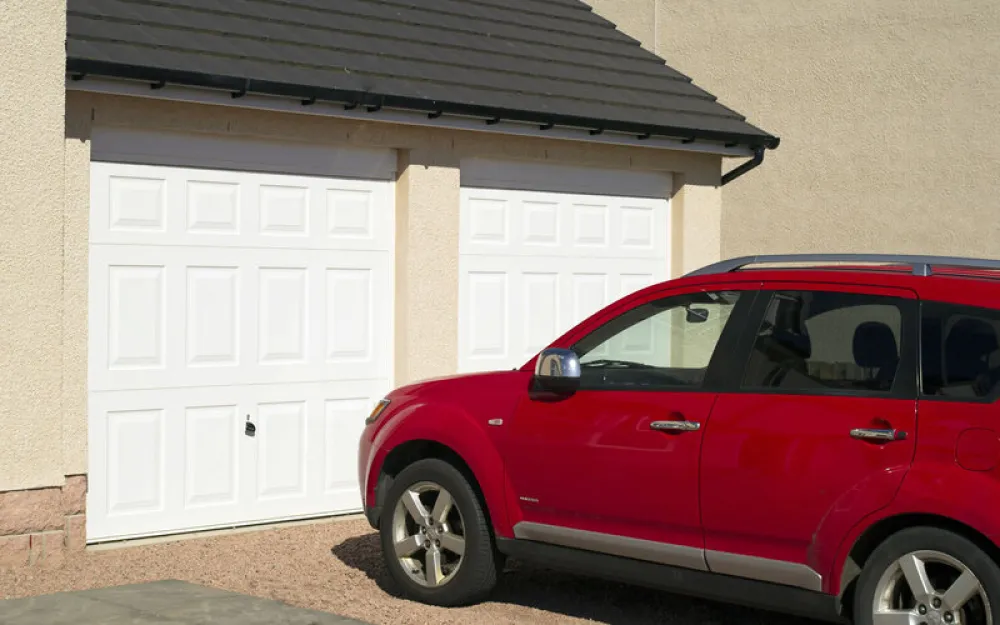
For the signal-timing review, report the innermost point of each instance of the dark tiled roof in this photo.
(544, 61)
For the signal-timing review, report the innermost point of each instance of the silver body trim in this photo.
(635, 548)
(748, 567)
(921, 264)
(764, 570)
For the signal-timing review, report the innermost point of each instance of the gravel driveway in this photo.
(336, 567)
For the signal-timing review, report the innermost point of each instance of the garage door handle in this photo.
(878, 435)
(250, 429)
(675, 426)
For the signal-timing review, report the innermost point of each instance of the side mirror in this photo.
(697, 315)
(557, 371)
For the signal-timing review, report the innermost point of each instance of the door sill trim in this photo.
(754, 568)
(787, 600)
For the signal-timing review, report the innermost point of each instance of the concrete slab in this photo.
(159, 603)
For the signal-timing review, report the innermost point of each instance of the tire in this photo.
(934, 544)
(480, 565)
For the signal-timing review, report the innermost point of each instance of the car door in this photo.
(615, 464)
(819, 433)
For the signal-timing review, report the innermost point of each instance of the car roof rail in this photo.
(921, 264)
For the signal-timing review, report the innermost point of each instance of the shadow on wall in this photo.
(568, 595)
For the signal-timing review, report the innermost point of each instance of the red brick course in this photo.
(38, 526)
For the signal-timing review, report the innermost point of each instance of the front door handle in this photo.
(880, 435)
(675, 426)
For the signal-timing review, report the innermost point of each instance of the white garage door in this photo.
(220, 299)
(534, 263)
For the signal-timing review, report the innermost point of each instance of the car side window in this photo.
(960, 352)
(816, 341)
(665, 344)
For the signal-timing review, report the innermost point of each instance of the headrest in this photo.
(969, 343)
(875, 345)
(971, 338)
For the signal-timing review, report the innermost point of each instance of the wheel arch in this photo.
(872, 537)
(405, 454)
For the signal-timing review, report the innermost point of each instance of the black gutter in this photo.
(736, 172)
(80, 68)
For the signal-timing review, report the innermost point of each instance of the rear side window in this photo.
(960, 352)
(818, 341)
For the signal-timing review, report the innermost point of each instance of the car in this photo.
(815, 434)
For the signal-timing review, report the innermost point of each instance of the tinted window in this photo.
(667, 343)
(823, 340)
(960, 351)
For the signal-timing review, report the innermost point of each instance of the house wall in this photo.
(31, 273)
(50, 274)
(635, 18)
(35, 523)
(888, 113)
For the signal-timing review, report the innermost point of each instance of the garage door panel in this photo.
(212, 315)
(178, 468)
(541, 308)
(212, 455)
(511, 307)
(137, 442)
(199, 207)
(283, 429)
(301, 460)
(490, 311)
(534, 264)
(307, 440)
(195, 317)
(520, 223)
(341, 432)
(137, 300)
(219, 299)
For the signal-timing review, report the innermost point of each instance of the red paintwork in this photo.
(594, 463)
(776, 479)
(977, 449)
(452, 411)
(935, 484)
(779, 477)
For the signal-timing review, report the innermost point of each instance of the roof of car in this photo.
(959, 285)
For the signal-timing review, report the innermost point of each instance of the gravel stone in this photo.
(337, 567)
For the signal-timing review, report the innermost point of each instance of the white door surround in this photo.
(240, 324)
(542, 247)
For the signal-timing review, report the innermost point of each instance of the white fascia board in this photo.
(414, 118)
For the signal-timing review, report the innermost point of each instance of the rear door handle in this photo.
(675, 426)
(870, 434)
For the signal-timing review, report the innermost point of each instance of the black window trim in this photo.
(730, 340)
(985, 400)
(907, 380)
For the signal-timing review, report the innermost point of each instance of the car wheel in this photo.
(436, 540)
(928, 576)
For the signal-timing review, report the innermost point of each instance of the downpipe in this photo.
(736, 172)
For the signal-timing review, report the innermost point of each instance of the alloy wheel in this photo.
(930, 588)
(428, 534)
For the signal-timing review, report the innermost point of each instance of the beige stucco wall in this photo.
(888, 113)
(635, 18)
(31, 225)
(427, 195)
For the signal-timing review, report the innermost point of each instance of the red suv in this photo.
(812, 437)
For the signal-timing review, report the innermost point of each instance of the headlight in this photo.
(376, 411)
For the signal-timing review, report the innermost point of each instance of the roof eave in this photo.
(238, 86)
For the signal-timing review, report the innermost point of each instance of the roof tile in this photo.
(531, 60)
